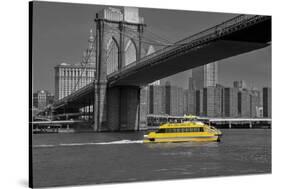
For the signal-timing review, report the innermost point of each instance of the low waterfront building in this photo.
(42, 98)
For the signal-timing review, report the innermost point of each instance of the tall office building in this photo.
(212, 103)
(254, 103)
(165, 100)
(240, 84)
(191, 83)
(198, 102)
(71, 77)
(266, 101)
(176, 101)
(230, 102)
(157, 100)
(189, 102)
(244, 103)
(204, 76)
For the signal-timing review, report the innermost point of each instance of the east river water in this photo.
(95, 158)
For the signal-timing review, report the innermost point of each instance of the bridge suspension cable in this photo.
(136, 39)
(84, 63)
(143, 40)
(154, 36)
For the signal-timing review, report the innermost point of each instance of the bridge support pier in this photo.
(123, 108)
(100, 116)
(115, 108)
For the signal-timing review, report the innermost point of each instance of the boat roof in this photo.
(182, 125)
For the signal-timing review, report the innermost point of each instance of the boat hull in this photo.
(183, 139)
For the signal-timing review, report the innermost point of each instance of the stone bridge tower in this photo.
(119, 43)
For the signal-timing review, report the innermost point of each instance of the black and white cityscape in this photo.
(104, 76)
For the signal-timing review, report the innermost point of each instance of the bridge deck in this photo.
(239, 35)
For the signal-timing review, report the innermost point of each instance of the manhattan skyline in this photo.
(62, 37)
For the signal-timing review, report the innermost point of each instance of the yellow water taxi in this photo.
(190, 130)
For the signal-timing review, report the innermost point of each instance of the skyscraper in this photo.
(240, 84)
(204, 76)
(254, 103)
(230, 102)
(157, 101)
(266, 101)
(189, 102)
(71, 77)
(212, 103)
(244, 103)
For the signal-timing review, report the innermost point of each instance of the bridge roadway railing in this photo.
(236, 23)
(74, 95)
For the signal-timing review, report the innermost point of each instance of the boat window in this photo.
(161, 131)
(181, 130)
(169, 130)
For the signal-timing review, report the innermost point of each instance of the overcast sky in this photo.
(60, 34)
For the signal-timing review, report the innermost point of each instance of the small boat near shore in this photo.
(190, 130)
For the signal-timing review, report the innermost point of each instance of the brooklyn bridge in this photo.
(112, 100)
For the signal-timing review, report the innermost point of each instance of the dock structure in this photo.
(154, 121)
(60, 126)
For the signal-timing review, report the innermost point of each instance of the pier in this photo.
(154, 121)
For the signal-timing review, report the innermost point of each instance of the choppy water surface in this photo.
(91, 158)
